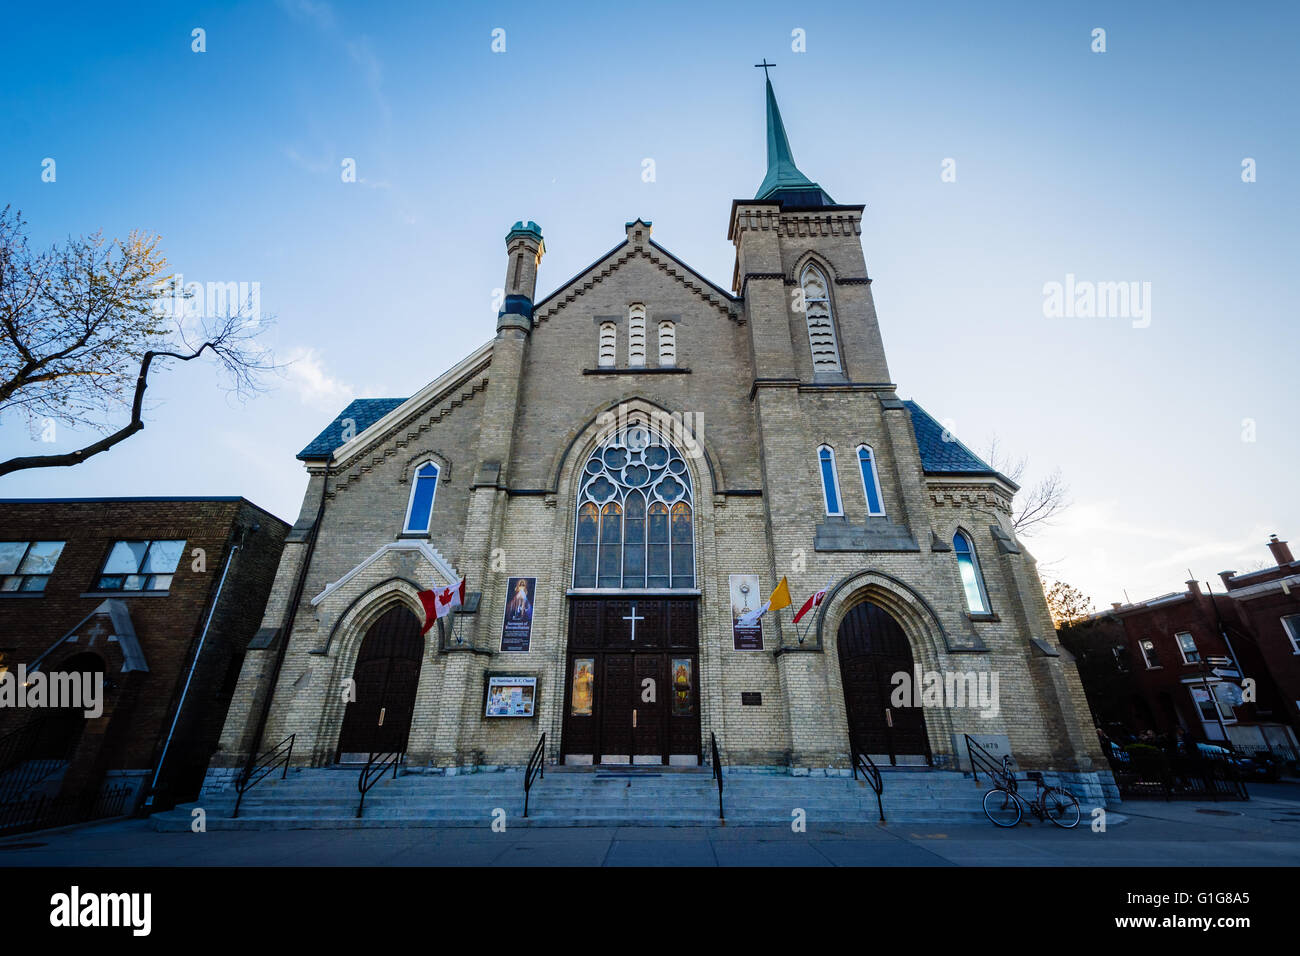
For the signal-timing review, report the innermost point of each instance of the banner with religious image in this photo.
(745, 598)
(517, 628)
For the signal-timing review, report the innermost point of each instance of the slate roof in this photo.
(940, 457)
(364, 412)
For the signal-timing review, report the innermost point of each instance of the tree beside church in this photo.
(650, 454)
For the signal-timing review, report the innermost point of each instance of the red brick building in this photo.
(1268, 604)
(159, 595)
(1191, 661)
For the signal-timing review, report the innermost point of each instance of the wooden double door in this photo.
(632, 683)
(387, 674)
(872, 649)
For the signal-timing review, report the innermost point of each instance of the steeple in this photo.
(784, 181)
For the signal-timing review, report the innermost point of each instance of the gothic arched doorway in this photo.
(872, 648)
(387, 673)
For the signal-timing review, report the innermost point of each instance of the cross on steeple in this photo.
(764, 65)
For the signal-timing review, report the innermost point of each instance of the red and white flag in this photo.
(812, 602)
(439, 602)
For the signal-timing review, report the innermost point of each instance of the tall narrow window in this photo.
(971, 580)
(821, 324)
(608, 343)
(1187, 647)
(611, 536)
(635, 526)
(419, 511)
(830, 482)
(667, 344)
(584, 551)
(636, 336)
(870, 480)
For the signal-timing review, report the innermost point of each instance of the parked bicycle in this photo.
(1004, 806)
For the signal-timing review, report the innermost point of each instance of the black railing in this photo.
(981, 759)
(862, 761)
(30, 753)
(536, 766)
(281, 753)
(1147, 772)
(41, 813)
(371, 773)
(717, 774)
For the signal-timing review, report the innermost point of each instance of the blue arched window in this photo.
(870, 480)
(419, 510)
(830, 482)
(972, 581)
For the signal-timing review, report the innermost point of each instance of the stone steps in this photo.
(327, 798)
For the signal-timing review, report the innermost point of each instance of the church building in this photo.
(630, 464)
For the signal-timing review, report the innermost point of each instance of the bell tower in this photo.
(800, 269)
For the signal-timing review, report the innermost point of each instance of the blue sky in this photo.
(1116, 166)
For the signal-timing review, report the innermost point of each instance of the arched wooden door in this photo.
(872, 649)
(387, 673)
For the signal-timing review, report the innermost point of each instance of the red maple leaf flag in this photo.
(439, 602)
(811, 603)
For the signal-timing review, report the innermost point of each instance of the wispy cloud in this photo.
(313, 383)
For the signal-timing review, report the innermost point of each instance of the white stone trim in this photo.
(431, 554)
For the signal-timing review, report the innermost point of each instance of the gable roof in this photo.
(942, 455)
(363, 412)
(628, 248)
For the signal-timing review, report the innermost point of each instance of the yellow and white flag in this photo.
(779, 598)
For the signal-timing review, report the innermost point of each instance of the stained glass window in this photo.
(638, 483)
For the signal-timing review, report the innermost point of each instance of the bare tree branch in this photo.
(1037, 506)
(83, 325)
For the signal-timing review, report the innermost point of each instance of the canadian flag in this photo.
(439, 602)
(811, 603)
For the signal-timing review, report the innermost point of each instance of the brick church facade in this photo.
(631, 461)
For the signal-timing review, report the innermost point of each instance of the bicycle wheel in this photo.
(1060, 807)
(1001, 808)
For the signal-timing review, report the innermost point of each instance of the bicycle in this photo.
(1003, 804)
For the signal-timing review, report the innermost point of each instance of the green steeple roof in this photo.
(783, 180)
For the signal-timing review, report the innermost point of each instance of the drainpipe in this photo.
(171, 732)
(286, 626)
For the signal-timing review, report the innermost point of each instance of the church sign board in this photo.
(510, 696)
(517, 628)
(744, 598)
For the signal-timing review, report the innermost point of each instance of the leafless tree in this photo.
(82, 326)
(1037, 505)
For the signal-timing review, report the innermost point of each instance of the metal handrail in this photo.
(717, 774)
(373, 771)
(861, 760)
(536, 765)
(253, 775)
(998, 773)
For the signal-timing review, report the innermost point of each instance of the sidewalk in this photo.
(1264, 831)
